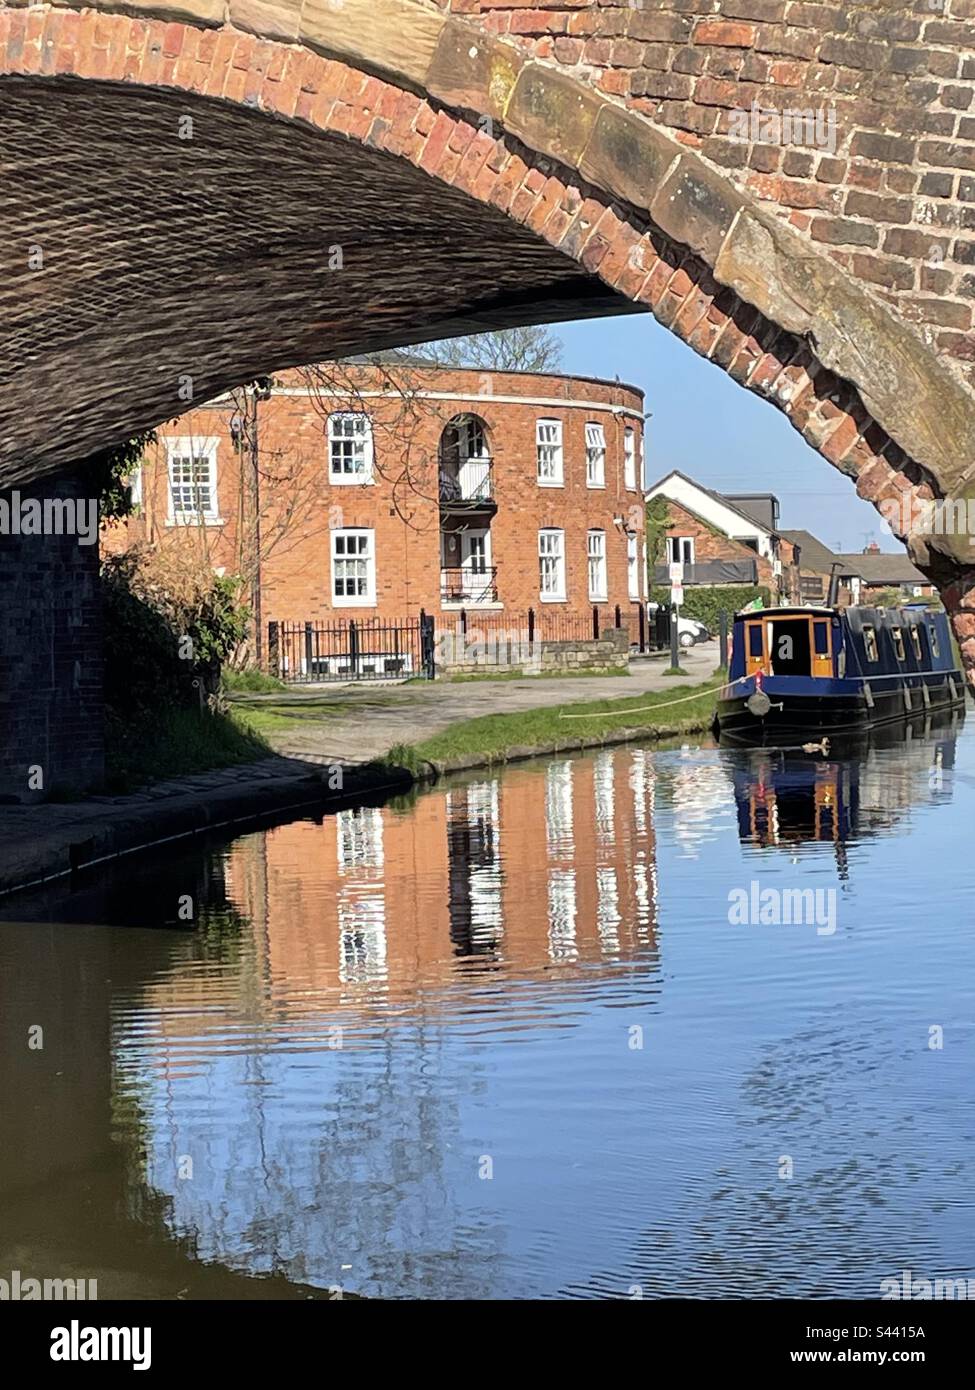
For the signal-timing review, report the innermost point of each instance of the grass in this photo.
(276, 716)
(176, 743)
(493, 737)
(250, 682)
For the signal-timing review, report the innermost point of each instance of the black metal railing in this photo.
(355, 649)
(467, 585)
(371, 649)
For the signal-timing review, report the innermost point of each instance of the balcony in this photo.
(465, 587)
(468, 488)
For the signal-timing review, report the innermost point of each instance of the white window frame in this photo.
(194, 448)
(552, 445)
(633, 566)
(367, 599)
(557, 594)
(675, 550)
(595, 454)
(135, 487)
(337, 422)
(629, 457)
(596, 550)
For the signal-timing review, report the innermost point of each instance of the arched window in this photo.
(349, 447)
(465, 460)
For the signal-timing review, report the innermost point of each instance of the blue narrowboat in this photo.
(800, 673)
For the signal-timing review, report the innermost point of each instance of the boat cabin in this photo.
(838, 643)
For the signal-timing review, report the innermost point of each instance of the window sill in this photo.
(353, 602)
(548, 482)
(449, 606)
(552, 598)
(337, 480)
(598, 598)
(596, 487)
(180, 521)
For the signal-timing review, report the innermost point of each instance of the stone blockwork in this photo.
(51, 733)
(889, 193)
(608, 652)
(490, 183)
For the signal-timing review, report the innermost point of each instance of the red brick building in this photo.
(384, 489)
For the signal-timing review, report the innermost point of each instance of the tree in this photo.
(108, 472)
(531, 349)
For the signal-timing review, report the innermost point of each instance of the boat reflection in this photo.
(786, 799)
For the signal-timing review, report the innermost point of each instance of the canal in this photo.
(552, 1032)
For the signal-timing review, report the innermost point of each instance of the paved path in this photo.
(379, 717)
(51, 838)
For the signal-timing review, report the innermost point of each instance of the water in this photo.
(503, 1041)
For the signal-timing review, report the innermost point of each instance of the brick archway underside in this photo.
(173, 198)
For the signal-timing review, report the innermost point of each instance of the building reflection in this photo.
(548, 865)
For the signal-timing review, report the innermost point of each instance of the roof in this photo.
(872, 566)
(407, 357)
(815, 555)
(878, 567)
(717, 497)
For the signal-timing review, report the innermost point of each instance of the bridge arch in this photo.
(191, 175)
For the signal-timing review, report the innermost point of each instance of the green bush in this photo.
(705, 601)
(166, 636)
(250, 681)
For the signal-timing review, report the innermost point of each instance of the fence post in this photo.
(643, 627)
(427, 644)
(595, 623)
(272, 648)
(617, 617)
(531, 627)
(353, 646)
(463, 622)
(723, 638)
(308, 651)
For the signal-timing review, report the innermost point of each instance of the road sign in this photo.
(677, 594)
(676, 571)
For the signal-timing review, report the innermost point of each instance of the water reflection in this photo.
(786, 799)
(532, 974)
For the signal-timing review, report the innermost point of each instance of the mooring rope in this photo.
(641, 709)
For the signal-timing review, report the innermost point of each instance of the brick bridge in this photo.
(219, 188)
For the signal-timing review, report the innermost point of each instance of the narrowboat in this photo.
(800, 673)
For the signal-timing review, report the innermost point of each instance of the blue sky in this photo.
(709, 427)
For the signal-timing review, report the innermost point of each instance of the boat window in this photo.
(821, 639)
(870, 642)
(934, 640)
(755, 639)
(898, 637)
(916, 643)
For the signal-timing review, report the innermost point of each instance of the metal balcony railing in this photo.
(469, 486)
(465, 585)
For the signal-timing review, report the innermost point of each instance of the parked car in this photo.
(689, 630)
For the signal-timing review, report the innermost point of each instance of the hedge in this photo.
(705, 601)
